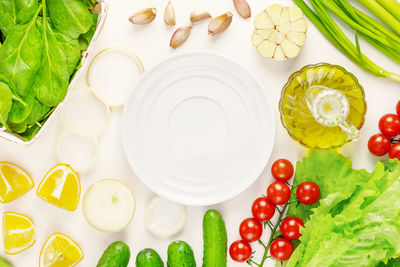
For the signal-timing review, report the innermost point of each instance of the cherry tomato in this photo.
(240, 251)
(250, 230)
(281, 249)
(398, 108)
(278, 193)
(379, 145)
(389, 125)
(262, 209)
(290, 228)
(282, 170)
(308, 193)
(394, 152)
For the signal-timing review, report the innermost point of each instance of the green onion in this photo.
(384, 40)
(393, 6)
(382, 13)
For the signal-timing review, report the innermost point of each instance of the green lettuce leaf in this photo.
(357, 220)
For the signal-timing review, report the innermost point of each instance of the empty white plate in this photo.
(198, 129)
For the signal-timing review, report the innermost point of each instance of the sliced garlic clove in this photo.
(180, 36)
(143, 16)
(279, 55)
(266, 48)
(285, 16)
(265, 33)
(290, 49)
(299, 25)
(243, 8)
(169, 14)
(220, 24)
(274, 12)
(263, 21)
(198, 15)
(297, 37)
(295, 13)
(256, 39)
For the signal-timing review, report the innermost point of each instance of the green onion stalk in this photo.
(383, 39)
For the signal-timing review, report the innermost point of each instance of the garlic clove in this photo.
(143, 16)
(243, 8)
(169, 14)
(198, 15)
(180, 36)
(220, 23)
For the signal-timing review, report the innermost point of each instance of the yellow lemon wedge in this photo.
(14, 182)
(18, 232)
(60, 251)
(60, 187)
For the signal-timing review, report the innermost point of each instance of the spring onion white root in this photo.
(112, 66)
(79, 151)
(109, 205)
(164, 218)
(83, 114)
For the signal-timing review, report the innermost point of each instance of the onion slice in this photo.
(164, 218)
(79, 151)
(83, 114)
(109, 205)
(111, 75)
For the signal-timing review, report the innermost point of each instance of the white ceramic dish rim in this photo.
(84, 65)
(220, 198)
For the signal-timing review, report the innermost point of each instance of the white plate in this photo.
(198, 129)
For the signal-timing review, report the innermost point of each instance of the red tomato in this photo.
(290, 228)
(278, 193)
(389, 125)
(379, 145)
(398, 108)
(282, 170)
(281, 249)
(240, 251)
(250, 230)
(308, 193)
(394, 152)
(262, 209)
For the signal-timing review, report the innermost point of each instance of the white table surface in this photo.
(151, 43)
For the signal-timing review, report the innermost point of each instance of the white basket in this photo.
(84, 64)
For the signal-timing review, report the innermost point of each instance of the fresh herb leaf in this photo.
(70, 17)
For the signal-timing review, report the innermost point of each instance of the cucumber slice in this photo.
(109, 205)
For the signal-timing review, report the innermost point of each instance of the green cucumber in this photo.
(117, 254)
(148, 258)
(215, 240)
(4, 263)
(180, 254)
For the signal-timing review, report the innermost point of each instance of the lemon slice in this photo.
(60, 251)
(18, 232)
(60, 187)
(14, 182)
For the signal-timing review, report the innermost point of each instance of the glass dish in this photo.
(322, 106)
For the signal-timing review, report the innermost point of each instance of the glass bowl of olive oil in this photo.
(323, 106)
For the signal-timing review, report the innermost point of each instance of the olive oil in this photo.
(323, 106)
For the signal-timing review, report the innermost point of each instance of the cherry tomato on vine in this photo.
(290, 228)
(282, 170)
(278, 193)
(308, 193)
(281, 249)
(389, 125)
(398, 108)
(240, 251)
(379, 144)
(262, 209)
(250, 230)
(394, 152)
